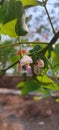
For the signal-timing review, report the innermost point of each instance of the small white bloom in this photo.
(25, 60)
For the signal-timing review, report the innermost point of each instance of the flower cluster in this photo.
(26, 61)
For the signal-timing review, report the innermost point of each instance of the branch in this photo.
(42, 51)
(17, 44)
(49, 17)
(52, 42)
(3, 71)
(55, 66)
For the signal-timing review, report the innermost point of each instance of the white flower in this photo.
(29, 70)
(25, 60)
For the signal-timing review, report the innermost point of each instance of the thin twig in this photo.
(17, 44)
(49, 18)
(52, 42)
(3, 71)
(9, 45)
(55, 66)
(42, 51)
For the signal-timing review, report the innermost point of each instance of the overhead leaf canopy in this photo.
(14, 11)
(10, 13)
(9, 28)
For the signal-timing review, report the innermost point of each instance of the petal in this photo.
(28, 68)
(36, 70)
(25, 60)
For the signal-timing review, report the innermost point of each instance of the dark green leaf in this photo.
(21, 27)
(21, 84)
(29, 87)
(14, 11)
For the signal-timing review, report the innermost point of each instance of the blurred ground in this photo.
(9, 81)
(23, 113)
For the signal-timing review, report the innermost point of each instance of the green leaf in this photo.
(14, 58)
(28, 3)
(44, 79)
(55, 58)
(21, 84)
(57, 52)
(52, 86)
(8, 29)
(57, 49)
(14, 11)
(13, 16)
(3, 10)
(47, 83)
(0, 26)
(29, 87)
(21, 26)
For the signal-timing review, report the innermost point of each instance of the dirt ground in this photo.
(9, 81)
(23, 113)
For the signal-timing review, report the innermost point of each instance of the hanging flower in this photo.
(36, 69)
(29, 70)
(40, 63)
(25, 60)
